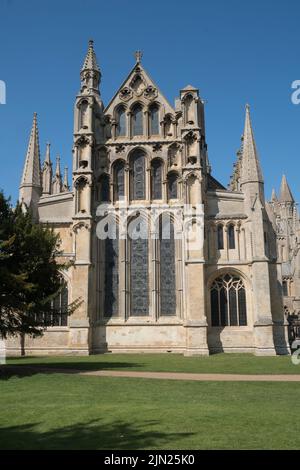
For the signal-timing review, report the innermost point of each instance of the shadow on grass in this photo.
(22, 370)
(91, 435)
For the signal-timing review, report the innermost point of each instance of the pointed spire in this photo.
(90, 73)
(65, 183)
(251, 171)
(274, 196)
(90, 62)
(285, 192)
(32, 168)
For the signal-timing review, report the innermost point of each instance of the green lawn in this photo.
(218, 363)
(60, 411)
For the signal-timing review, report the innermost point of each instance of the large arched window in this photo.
(154, 120)
(228, 301)
(119, 188)
(156, 179)
(167, 266)
(121, 122)
(172, 186)
(111, 275)
(137, 120)
(59, 307)
(137, 176)
(139, 267)
(231, 237)
(220, 237)
(103, 189)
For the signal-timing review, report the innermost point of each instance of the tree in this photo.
(30, 274)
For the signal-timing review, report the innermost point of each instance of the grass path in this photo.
(27, 369)
(215, 364)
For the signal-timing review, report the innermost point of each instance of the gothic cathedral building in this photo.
(232, 292)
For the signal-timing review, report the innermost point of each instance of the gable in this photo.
(138, 87)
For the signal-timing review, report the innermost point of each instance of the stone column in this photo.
(238, 239)
(195, 319)
(79, 323)
(263, 323)
(129, 122)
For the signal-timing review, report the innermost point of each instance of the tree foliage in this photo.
(30, 274)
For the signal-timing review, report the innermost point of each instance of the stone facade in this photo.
(230, 293)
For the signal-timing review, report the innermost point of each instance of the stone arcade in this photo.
(232, 294)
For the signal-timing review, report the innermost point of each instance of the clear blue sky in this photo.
(234, 52)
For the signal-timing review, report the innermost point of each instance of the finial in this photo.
(273, 196)
(138, 56)
(65, 184)
(91, 43)
(247, 107)
(57, 170)
(47, 158)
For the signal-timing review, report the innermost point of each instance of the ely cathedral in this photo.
(233, 292)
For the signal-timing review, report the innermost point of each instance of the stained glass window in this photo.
(231, 238)
(121, 122)
(119, 180)
(220, 237)
(139, 272)
(138, 176)
(137, 120)
(104, 188)
(167, 267)
(156, 179)
(111, 298)
(154, 120)
(228, 302)
(172, 186)
(59, 306)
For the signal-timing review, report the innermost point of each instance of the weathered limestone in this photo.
(220, 293)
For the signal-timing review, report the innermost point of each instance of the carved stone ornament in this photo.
(81, 182)
(83, 140)
(190, 137)
(125, 94)
(120, 148)
(192, 160)
(79, 226)
(157, 147)
(150, 93)
(138, 84)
